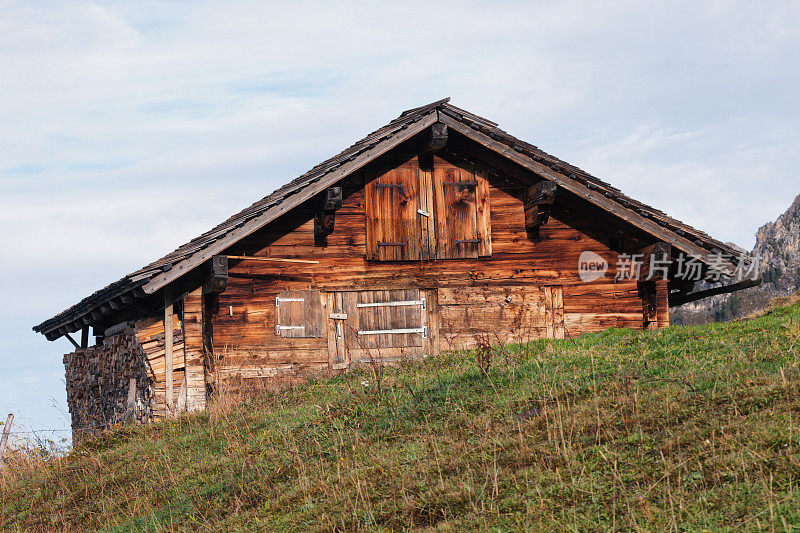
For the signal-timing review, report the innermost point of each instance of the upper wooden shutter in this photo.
(393, 220)
(299, 314)
(462, 213)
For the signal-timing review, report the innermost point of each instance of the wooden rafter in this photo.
(681, 299)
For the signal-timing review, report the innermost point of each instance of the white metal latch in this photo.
(279, 328)
(423, 330)
(423, 213)
(278, 300)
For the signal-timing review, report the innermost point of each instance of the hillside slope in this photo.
(692, 427)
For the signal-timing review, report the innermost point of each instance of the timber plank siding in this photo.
(438, 231)
(500, 297)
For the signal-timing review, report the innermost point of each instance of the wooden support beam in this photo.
(217, 280)
(681, 299)
(433, 138)
(70, 339)
(85, 337)
(539, 199)
(271, 259)
(332, 199)
(431, 141)
(325, 215)
(655, 261)
(168, 360)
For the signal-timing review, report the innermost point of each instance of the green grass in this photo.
(690, 428)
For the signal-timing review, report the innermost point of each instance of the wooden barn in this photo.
(437, 231)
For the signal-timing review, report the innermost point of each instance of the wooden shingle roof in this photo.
(199, 250)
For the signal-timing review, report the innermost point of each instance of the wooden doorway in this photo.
(377, 326)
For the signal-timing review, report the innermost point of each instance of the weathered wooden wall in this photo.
(477, 274)
(189, 383)
(501, 297)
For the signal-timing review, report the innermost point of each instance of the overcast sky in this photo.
(127, 128)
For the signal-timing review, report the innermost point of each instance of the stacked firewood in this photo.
(108, 385)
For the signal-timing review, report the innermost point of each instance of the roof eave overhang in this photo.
(254, 224)
(627, 215)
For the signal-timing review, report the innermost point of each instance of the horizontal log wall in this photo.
(150, 334)
(499, 296)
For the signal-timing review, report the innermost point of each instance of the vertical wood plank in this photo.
(373, 228)
(430, 318)
(168, 355)
(649, 294)
(548, 313)
(484, 226)
(558, 311)
(194, 350)
(440, 175)
(427, 224)
(662, 303)
(353, 324)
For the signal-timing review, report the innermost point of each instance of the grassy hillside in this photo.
(688, 427)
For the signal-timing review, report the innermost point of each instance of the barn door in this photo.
(386, 325)
(554, 311)
(462, 213)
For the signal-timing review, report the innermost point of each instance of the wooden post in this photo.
(4, 438)
(85, 337)
(168, 348)
(130, 404)
(182, 397)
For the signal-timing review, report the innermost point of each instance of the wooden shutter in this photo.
(393, 220)
(390, 319)
(462, 213)
(299, 314)
(554, 311)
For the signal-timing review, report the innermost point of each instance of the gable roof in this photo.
(184, 259)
